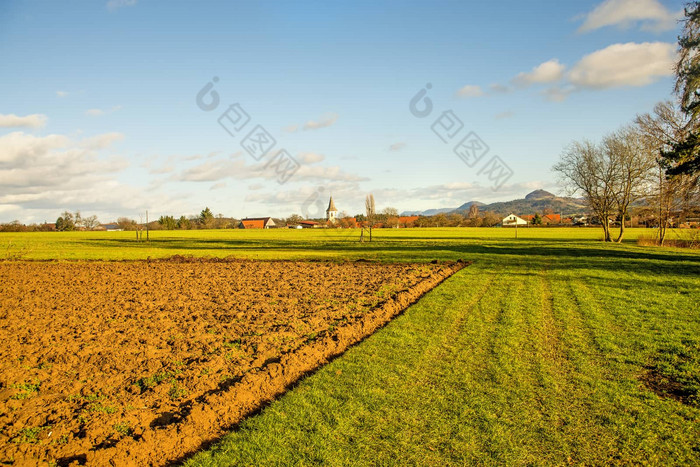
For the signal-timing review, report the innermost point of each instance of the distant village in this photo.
(388, 218)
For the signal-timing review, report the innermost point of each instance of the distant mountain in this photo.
(534, 202)
(466, 206)
(427, 212)
(539, 194)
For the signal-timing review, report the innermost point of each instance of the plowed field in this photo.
(143, 362)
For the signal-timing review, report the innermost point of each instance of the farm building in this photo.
(309, 224)
(513, 221)
(258, 223)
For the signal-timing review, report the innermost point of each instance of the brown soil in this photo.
(667, 387)
(144, 362)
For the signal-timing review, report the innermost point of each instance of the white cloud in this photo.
(558, 93)
(101, 141)
(397, 147)
(318, 173)
(310, 157)
(61, 93)
(325, 121)
(547, 72)
(629, 64)
(49, 173)
(100, 112)
(311, 200)
(498, 88)
(470, 90)
(652, 15)
(116, 4)
(221, 169)
(503, 115)
(28, 121)
(163, 169)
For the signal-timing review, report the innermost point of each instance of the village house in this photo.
(512, 220)
(551, 219)
(257, 223)
(111, 227)
(309, 224)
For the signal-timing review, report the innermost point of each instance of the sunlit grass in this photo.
(388, 244)
(538, 353)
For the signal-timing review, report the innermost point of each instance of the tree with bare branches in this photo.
(585, 169)
(370, 213)
(673, 194)
(633, 165)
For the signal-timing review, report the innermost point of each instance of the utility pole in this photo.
(147, 238)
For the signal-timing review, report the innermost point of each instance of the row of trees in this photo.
(17, 226)
(653, 161)
(69, 221)
(205, 220)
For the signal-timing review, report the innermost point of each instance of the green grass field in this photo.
(388, 244)
(550, 349)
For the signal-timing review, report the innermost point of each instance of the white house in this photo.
(512, 221)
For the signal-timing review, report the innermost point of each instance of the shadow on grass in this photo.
(566, 254)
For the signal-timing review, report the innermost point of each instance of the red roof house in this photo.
(309, 224)
(257, 223)
(551, 219)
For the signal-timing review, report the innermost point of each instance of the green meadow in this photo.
(552, 348)
(388, 244)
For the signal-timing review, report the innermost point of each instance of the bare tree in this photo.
(370, 212)
(392, 216)
(473, 211)
(90, 222)
(633, 165)
(125, 223)
(585, 169)
(294, 219)
(674, 194)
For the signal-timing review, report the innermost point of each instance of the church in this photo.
(331, 212)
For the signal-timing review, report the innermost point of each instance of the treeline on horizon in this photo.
(67, 221)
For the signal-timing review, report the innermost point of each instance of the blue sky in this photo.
(98, 108)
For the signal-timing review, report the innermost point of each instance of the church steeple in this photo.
(331, 212)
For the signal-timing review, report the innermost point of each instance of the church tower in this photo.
(331, 212)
